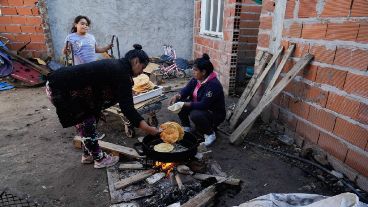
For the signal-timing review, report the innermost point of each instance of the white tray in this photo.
(145, 96)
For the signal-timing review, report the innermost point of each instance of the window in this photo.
(212, 17)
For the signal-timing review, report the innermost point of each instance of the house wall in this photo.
(326, 105)
(248, 38)
(22, 21)
(149, 23)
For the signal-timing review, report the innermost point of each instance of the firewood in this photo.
(133, 179)
(131, 166)
(227, 180)
(203, 198)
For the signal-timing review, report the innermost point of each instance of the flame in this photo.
(166, 167)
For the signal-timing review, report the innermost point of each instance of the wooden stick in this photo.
(118, 149)
(230, 181)
(179, 182)
(131, 166)
(250, 85)
(286, 56)
(203, 198)
(133, 179)
(241, 108)
(241, 131)
(41, 70)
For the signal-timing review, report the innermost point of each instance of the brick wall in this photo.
(222, 51)
(327, 104)
(22, 21)
(249, 24)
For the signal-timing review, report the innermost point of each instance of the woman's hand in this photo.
(174, 99)
(147, 128)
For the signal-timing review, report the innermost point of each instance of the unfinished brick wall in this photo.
(222, 51)
(22, 21)
(326, 106)
(249, 24)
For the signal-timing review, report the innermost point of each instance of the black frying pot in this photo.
(149, 141)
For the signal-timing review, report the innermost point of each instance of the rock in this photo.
(285, 139)
(337, 174)
(183, 169)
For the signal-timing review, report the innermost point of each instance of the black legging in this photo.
(205, 121)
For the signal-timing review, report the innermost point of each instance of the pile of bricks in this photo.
(326, 106)
(22, 21)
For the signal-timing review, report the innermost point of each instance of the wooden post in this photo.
(241, 131)
(243, 106)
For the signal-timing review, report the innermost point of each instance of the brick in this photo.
(24, 11)
(353, 58)
(39, 29)
(309, 72)
(336, 8)
(268, 6)
(351, 133)
(15, 46)
(356, 84)
(22, 38)
(322, 118)
(333, 146)
(254, 9)
(315, 95)
(314, 31)
(282, 100)
(342, 105)
(266, 22)
(307, 131)
(363, 33)
(35, 11)
(323, 54)
(249, 16)
(41, 38)
(288, 65)
(30, 2)
(2, 28)
(357, 161)
(4, 2)
(12, 28)
(295, 88)
(294, 30)
(263, 40)
(307, 8)
(289, 12)
(299, 108)
(285, 44)
(249, 24)
(9, 36)
(15, 2)
(346, 31)
(248, 39)
(301, 49)
(274, 112)
(331, 77)
(34, 20)
(8, 11)
(28, 29)
(359, 8)
(36, 46)
(18, 19)
(362, 115)
(5, 19)
(249, 32)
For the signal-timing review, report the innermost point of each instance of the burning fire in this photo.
(165, 167)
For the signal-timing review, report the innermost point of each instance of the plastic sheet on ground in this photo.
(306, 200)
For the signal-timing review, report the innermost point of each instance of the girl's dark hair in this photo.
(137, 52)
(204, 63)
(77, 19)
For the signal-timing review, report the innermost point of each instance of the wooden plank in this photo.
(140, 193)
(241, 131)
(41, 70)
(127, 151)
(286, 56)
(227, 180)
(133, 179)
(241, 108)
(112, 177)
(250, 85)
(203, 198)
(131, 166)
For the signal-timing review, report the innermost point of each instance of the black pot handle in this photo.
(139, 148)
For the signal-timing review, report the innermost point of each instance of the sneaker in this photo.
(107, 161)
(87, 159)
(100, 135)
(209, 139)
(187, 129)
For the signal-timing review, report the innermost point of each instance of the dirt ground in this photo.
(37, 158)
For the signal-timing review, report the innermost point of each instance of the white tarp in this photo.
(305, 200)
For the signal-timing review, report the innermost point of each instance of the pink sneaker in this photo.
(107, 161)
(87, 159)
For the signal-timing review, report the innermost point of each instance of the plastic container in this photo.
(147, 95)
